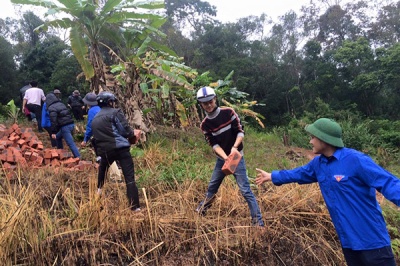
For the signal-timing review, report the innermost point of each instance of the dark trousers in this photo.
(374, 257)
(126, 163)
(52, 141)
(77, 112)
(37, 110)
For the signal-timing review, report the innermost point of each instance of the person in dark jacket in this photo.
(62, 124)
(348, 180)
(76, 104)
(113, 137)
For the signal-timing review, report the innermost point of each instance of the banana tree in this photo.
(165, 90)
(232, 97)
(128, 24)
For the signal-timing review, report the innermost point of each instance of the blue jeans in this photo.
(66, 134)
(244, 186)
(374, 257)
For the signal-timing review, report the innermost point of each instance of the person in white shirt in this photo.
(33, 99)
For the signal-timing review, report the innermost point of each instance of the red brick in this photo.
(33, 143)
(21, 142)
(47, 153)
(55, 154)
(8, 143)
(84, 165)
(70, 162)
(55, 162)
(9, 131)
(14, 145)
(27, 155)
(7, 166)
(21, 160)
(65, 155)
(3, 156)
(24, 148)
(14, 127)
(39, 161)
(28, 135)
(16, 149)
(34, 156)
(10, 156)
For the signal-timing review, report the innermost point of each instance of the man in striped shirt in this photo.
(224, 133)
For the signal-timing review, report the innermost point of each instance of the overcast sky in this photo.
(231, 10)
(227, 10)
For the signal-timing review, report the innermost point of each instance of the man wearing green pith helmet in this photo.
(348, 180)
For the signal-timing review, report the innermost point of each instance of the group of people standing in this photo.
(107, 128)
(50, 114)
(348, 179)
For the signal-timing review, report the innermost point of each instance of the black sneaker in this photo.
(202, 209)
(204, 205)
(254, 222)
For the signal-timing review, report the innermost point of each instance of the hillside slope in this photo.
(56, 218)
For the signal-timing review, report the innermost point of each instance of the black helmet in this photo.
(105, 97)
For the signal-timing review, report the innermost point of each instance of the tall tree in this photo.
(40, 61)
(385, 29)
(7, 70)
(356, 66)
(92, 21)
(389, 71)
(335, 26)
(190, 15)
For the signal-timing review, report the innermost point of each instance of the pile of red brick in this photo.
(20, 147)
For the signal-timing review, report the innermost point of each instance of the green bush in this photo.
(358, 136)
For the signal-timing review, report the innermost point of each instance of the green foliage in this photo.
(65, 76)
(237, 100)
(13, 111)
(4, 113)
(40, 62)
(392, 218)
(175, 156)
(357, 135)
(387, 132)
(136, 152)
(7, 70)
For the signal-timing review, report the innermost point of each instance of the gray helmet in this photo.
(105, 97)
(90, 99)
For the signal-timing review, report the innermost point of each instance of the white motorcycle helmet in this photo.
(205, 94)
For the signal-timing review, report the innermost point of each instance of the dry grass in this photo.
(49, 218)
(58, 220)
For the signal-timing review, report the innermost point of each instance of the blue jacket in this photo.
(93, 110)
(348, 181)
(45, 117)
